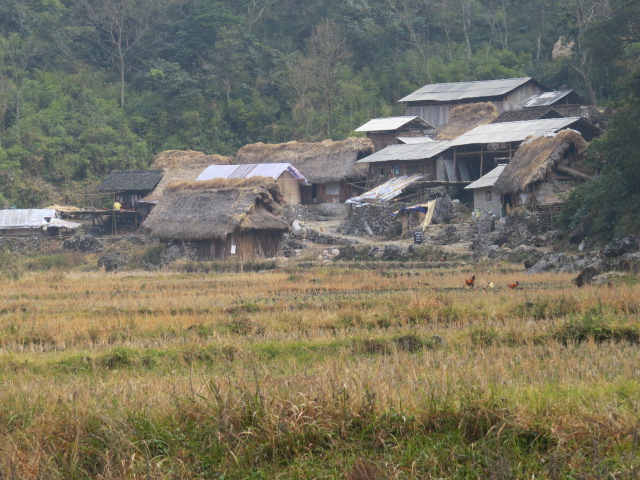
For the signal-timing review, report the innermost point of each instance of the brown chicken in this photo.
(470, 281)
(443, 258)
(513, 285)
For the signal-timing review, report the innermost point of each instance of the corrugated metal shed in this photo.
(25, 218)
(391, 123)
(419, 151)
(415, 140)
(487, 180)
(447, 92)
(551, 98)
(270, 170)
(385, 192)
(512, 131)
(130, 180)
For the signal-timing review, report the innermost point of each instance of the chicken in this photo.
(513, 285)
(488, 286)
(470, 281)
(443, 258)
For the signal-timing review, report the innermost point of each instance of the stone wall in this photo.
(370, 220)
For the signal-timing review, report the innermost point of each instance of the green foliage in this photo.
(214, 76)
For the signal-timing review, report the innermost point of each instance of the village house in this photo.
(129, 187)
(288, 178)
(329, 167)
(385, 131)
(434, 102)
(222, 218)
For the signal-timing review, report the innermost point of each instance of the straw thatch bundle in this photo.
(194, 211)
(536, 158)
(319, 162)
(181, 165)
(467, 117)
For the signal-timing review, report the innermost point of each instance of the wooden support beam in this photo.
(573, 173)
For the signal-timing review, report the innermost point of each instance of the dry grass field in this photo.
(329, 372)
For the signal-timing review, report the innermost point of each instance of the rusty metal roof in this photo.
(487, 180)
(392, 123)
(447, 92)
(418, 151)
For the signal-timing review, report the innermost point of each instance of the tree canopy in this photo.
(88, 86)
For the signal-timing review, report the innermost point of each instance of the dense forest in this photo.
(87, 86)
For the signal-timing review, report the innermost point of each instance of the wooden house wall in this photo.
(248, 244)
(290, 188)
(519, 95)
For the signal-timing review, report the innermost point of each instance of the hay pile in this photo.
(319, 162)
(467, 117)
(536, 158)
(181, 165)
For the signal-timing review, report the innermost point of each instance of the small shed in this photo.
(33, 220)
(330, 166)
(130, 186)
(485, 199)
(384, 131)
(433, 102)
(540, 173)
(239, 218)
(286, 176)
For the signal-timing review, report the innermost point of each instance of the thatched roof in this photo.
(536, 158)
(213, 209)
(181, 165)
(467, 117)
(130, 180)
(319, 162)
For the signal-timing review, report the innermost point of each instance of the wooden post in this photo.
(455, 167)
(481, 161)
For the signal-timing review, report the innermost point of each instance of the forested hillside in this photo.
(87, 86)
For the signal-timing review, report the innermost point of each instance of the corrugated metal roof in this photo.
(25, 218)
(544, 99)
(387, 191)
(446, 92)
(130, 180)
(269, 170)
(487, 180)
(390, 123)
(512, 131)
(419, 151)
(531, 113)
(415, 140)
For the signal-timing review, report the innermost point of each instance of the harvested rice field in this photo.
(325, 372)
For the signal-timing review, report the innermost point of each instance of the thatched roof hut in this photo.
(467, 117)
(243, 217)
(537, 158)
(320, 162)
(179, 166)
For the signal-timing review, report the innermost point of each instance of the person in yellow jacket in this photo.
(117, 205)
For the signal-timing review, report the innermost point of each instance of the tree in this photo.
(121, 28)
(315, 77)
